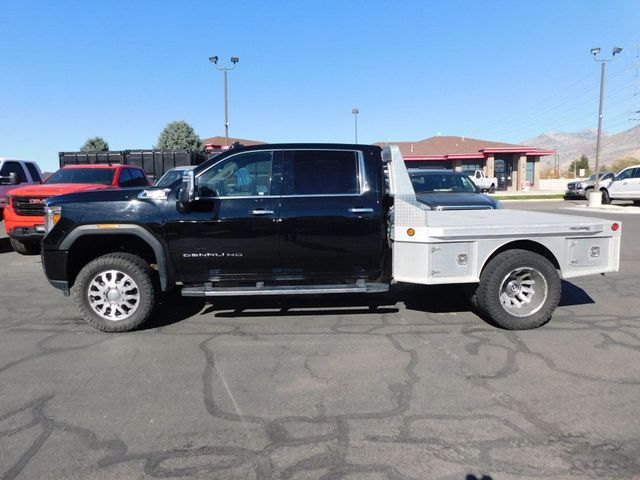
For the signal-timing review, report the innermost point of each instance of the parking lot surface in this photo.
(409, 385)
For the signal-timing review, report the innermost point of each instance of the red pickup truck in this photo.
(24, 213)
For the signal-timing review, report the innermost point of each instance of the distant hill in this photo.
(572, 145)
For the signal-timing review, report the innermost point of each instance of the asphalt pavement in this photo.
(409, 385)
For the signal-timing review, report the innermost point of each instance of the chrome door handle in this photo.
(261, 212)
(361, 210)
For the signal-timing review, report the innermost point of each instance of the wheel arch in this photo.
(529, 245)
(121, 238)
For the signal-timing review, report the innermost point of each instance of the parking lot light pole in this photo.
(603, 62)
(225, 69)
(355, 112)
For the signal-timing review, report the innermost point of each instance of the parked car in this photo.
(484, 183)
(580, 188)
(16, 172)
(294, 219)
(172, 176)
(447, 190)
(24, 214)
(624, 186)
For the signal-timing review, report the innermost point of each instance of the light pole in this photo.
(225, 69)
(603, 62)
(355, 112)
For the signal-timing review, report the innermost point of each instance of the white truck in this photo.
(484, 183)
(14, 173)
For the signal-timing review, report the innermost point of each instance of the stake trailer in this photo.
(308, 219)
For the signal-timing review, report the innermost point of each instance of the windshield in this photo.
(98, 176)
(170, 178)
(438, 182)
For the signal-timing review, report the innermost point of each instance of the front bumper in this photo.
(27, 233)
(54, 263)
(578, 193)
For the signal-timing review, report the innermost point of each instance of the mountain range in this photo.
(571, 146)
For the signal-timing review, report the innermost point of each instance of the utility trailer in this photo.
(293, 219)
(154, 162)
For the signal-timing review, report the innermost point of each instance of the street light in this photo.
(355, 112)
(225, 69)
(603, 62)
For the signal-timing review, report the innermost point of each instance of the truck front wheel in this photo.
(115, 292)
(24, 247)
(519, 290)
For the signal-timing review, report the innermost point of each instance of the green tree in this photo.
(95, 144)
(179, 135)
(622, 163)
(577, 165)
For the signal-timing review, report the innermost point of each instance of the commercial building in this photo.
(511, 164)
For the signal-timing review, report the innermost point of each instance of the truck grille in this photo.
(29, 206)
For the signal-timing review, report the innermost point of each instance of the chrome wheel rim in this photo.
(523, 292)
(113, 295)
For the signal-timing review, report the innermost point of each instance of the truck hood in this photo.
(456, 201)
(98, 195)
(55, 189)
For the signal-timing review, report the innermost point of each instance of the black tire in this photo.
(606, 199)
(25, 247)
(636, 203)
(492, 188)
(494, 279)
(586, 192)
(138, 271)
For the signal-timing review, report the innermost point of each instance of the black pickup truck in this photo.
(268, 219)
(309, 219)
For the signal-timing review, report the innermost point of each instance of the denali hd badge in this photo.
(211, 254)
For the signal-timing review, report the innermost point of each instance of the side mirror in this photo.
(11, 179)
(187, 192)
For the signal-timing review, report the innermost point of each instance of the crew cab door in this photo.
(230, 232)
(626, 184)
(330, 217)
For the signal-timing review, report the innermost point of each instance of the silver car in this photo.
(580, 188)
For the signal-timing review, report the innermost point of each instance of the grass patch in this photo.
(549, 196)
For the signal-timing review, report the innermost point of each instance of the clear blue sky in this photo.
(498, 70)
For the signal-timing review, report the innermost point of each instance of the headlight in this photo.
(51, 217)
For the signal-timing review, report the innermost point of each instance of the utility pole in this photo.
(355, 112)
(225, 69)
(603, 62)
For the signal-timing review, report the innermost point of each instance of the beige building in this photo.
(514, 166)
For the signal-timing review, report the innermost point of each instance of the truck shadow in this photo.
(429, 299)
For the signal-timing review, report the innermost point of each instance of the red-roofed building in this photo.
(511, 164)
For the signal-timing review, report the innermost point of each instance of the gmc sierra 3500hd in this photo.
(308, 219)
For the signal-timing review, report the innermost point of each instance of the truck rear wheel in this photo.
(25, 247)
(519, 290)
(115, 292)
(606, 199)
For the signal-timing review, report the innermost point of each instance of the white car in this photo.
(484, 183)
(16, 172)
(624, 186)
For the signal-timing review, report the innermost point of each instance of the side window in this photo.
(323, 172)
(138, 178)
(33, 171)
(243, 175)
(636, 173)
(125, 178)
(478, 175)
(13, 167)
(625, 174)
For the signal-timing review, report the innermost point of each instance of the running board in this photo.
(284, 290)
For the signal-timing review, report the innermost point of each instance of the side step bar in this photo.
(209, 291)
